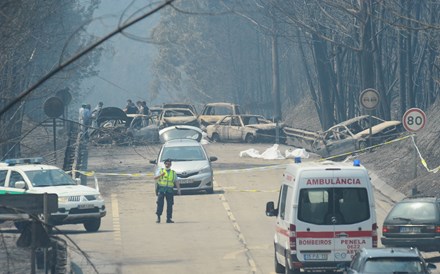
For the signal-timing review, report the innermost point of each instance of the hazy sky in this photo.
(125, 63)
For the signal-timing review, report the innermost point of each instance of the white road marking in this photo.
(246, 250)
(116, 221)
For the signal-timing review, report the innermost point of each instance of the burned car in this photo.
(213, 112)
(142, 129)
(177, 116)
(180, 105)
(354, 135)
(245, 128)
(114, 126)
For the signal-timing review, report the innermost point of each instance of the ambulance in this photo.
(325, 213)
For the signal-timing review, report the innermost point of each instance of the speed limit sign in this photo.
(414, 119)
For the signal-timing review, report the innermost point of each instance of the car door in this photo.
(222, 128)
(354, 220)
(282, 243)
(11, 179)
(236, 129)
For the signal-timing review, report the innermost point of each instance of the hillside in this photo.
(394, 163)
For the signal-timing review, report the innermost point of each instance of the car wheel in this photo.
(289, 270)
(215, 137)
(250, 138)
(210, 190)
(130, 139)
(362, 146)
(92, 225)
(21, 225)
(279, 268)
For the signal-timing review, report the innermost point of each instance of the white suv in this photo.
(76, 203)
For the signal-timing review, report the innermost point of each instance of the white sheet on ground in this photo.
(271, 153)
(298, 152)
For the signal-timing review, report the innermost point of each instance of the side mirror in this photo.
(153, 162)
(270, 209)
(20, 185)
(213, 159)
(431, 266)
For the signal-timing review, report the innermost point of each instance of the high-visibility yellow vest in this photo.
(168, 179)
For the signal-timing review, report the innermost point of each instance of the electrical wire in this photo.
(82, 53)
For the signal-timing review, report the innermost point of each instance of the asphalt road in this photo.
(225, 232)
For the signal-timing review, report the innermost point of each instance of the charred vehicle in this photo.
(245, 128)
(180, 105)
(213, 112)
(346, 137)
(117, 127)
(177, 116)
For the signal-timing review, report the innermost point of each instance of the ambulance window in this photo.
(282, 206)
(312, 206)
(354, 205)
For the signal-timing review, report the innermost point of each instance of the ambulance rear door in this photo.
(353, 213)
(315, 236)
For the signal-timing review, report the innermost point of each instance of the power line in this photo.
(82, 53)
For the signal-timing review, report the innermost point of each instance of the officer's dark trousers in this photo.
(160, 202)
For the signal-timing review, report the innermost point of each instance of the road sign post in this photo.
(414, 119)
(369, 99)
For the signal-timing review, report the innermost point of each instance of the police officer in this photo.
(166, 178)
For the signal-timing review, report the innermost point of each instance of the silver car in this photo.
(189, 158)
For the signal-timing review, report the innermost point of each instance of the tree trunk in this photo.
(276, 79)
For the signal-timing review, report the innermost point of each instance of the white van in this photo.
(325, 213)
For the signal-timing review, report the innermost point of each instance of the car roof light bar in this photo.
(21, 161)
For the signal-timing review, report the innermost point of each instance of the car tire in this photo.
(362, 146)
(279, 268)
(92, 225)
(289, 270)
(210, 190)
(250, 138)
(21, 225)
(215, 137)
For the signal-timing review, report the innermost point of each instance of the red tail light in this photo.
(437, 229)
(385, 229)
(292, 237)
(374, 234)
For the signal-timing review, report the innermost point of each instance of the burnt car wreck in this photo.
(245, 128)
(114, 126)
(353, 135)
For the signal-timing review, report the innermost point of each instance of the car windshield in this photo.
(178, 113)
(393, 265)
(187, 153)
(415, 211)
(49, 177)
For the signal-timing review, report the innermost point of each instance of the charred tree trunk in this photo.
(276, 79)
(324, 80)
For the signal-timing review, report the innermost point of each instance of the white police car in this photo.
(76, 203)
